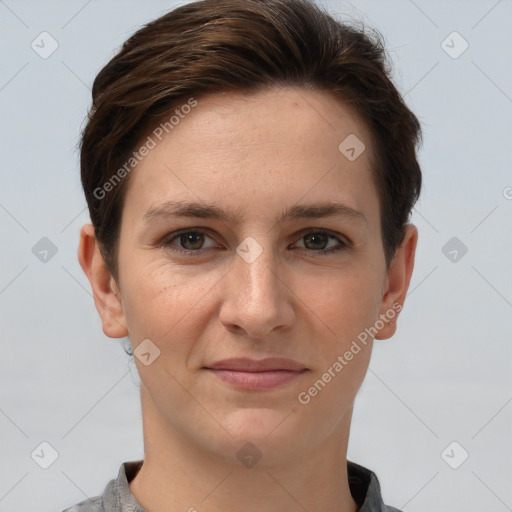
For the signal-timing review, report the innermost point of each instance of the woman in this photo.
(250, 171)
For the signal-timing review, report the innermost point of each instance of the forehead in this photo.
(264, 149)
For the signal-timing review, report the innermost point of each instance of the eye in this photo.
(191, 241)
(323, 242)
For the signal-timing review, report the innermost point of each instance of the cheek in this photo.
(163, 302)
(346, 306)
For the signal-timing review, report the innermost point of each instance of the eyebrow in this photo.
(206, 211)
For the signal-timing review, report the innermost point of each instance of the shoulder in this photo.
(89, 505)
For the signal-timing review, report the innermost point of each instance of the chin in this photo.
(261, 436)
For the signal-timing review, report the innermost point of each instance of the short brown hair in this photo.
(210, 46)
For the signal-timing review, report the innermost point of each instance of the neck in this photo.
(180, 476)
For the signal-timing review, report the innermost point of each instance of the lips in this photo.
(255, 365)
(253, 374)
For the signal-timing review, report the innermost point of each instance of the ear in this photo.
(397, 282)
(106, 295)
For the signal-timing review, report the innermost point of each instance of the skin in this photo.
(255, 156)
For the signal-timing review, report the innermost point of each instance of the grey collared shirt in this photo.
(117, 497)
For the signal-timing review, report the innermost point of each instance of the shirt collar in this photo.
(363, 483)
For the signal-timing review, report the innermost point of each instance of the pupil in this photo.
(317, 238)
(194, 238)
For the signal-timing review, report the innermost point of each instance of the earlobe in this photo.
(104, 288)
(398, 280)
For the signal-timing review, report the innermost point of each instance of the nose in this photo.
(257, 299)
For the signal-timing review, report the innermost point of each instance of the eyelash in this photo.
(167, 242)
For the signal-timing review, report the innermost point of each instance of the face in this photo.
(250, 255)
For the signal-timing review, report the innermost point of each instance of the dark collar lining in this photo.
(131, 469)
(359, 479)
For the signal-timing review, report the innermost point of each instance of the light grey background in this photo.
(444, 377)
